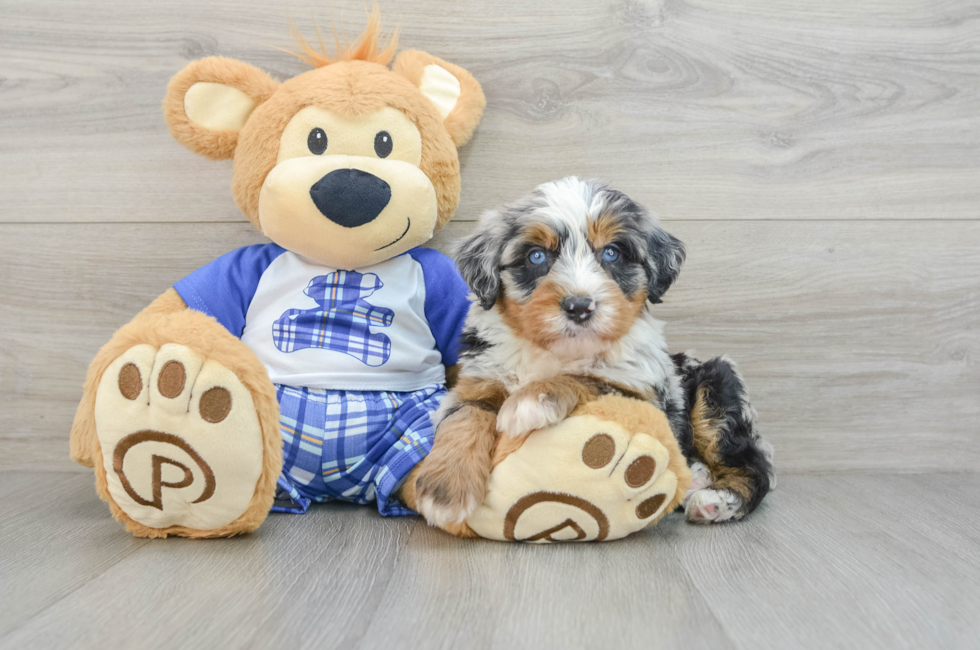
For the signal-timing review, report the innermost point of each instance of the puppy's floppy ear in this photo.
(665, 255)
(208, 102)
(478, 258)
(454, 92)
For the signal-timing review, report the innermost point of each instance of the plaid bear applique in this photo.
(342, 321)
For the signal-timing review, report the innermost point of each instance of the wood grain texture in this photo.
(858, 340)
(709, 109)
(493, 595)
(827, 561)
(42, 517)
(852, 562)
(258, 591)
(763, 132)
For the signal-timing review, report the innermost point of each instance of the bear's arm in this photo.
(224, 288)
(446, 302)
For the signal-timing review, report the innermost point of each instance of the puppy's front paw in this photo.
(523, 413)
(447, 496)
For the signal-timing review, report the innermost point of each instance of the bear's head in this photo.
(348, 164)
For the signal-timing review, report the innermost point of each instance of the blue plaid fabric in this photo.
(352, 445)
(343, 320)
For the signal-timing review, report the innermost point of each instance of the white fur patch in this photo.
(700, 479)
(521, 415)
(712, 506)
(446, 515)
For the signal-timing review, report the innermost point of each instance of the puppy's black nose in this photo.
(578, 308)
(350, 197)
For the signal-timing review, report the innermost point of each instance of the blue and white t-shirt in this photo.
(391, 326)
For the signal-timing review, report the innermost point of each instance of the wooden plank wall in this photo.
(821, 161)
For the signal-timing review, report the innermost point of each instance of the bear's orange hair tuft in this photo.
(367, 47)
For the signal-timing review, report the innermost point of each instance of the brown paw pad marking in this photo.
(215, 404)
(130, 381)
(172, 378)
(650, 506)
(598, 451)
(640, 471)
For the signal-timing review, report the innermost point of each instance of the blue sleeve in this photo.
(446, 302)
(225, 287)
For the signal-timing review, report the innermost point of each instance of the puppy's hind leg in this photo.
(725, 438)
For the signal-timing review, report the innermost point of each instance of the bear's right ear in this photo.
(208, 102)
(452, 90)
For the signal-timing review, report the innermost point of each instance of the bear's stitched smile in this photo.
(400, 237)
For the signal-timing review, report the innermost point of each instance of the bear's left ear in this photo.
(453, 91)
(208, 102)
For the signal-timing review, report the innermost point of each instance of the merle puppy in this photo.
(564, 285)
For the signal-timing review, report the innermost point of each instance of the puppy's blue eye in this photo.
(537, 256)
(610, 254)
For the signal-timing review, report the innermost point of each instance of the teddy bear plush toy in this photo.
(306, 369)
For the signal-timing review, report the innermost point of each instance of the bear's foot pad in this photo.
(584, 479)
(180, 438)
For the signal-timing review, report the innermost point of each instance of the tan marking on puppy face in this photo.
(531, 304)
(542, 321)
(625, 310)
(539, 319)
(602, 231)
(542, 235)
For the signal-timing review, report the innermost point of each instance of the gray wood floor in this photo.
(829, 561)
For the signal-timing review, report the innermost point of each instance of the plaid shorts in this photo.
(351, 445)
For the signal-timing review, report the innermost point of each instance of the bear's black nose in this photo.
(350, 197)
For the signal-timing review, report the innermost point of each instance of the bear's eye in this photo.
(317, 141)
(382, 144)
